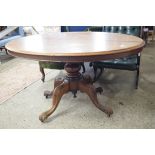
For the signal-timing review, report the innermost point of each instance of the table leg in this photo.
(58, 92)
(90, 90)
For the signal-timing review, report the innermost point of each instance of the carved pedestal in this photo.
(73, 82)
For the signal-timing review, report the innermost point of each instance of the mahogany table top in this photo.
(75, 46)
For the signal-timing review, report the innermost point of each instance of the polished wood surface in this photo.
(75, 46)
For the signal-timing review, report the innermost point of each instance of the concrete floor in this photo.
(132, 108)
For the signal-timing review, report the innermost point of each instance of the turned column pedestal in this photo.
(73, 81)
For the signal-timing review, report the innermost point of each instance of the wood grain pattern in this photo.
(58, 46)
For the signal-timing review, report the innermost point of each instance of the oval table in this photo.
(74, 48)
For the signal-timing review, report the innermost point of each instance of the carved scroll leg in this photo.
(58, 92)
(89, 89)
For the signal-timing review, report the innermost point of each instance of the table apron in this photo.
(89, 58)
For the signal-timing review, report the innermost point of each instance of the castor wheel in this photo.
(47, 94)
(109, 112)
(43, 117)
(99, 90)
(108, 115)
